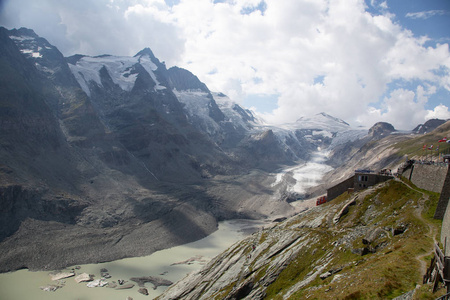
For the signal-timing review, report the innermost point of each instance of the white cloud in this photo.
(405, 109)
(426, 14)
(439, 112)
(119, 27)
(278, 51)
(297, 41)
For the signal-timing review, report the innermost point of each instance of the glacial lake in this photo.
(171, 264)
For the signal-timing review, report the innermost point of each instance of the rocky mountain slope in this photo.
(358, 246)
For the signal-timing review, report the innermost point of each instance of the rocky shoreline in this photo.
(106, 280)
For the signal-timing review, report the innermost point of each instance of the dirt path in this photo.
(432, 229)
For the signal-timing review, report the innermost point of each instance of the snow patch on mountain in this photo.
(321, 121)
(120, 68)
(235, 113)
(21, 38)
(27, 43)
(196, 104)
(324, 126)
(150, 67)
(35, 54)
(347, 136)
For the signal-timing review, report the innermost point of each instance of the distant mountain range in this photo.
(98, 152)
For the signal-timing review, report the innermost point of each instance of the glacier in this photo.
(120, 68)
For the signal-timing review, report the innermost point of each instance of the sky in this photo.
(363, 61)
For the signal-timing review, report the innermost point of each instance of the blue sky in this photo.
(424, 17)
(363, 61)
(429, 18)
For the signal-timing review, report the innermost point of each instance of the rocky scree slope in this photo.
(363, 245)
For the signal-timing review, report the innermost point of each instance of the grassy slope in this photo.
(397, 264)
(414, 147)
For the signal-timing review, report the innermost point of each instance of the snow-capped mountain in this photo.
(122, 70)
(226, 123)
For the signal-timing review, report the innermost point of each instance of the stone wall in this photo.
(443, 204)
(445, 231)
(407, 173)
(428, 177)
(435, 178)
(340, 188)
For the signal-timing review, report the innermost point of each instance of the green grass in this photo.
(414, 147)
(300, 266)
(385, 274)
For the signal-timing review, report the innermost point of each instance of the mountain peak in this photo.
(428, 126)
(146, 52)
(320, 120)
(381, 129)
(183, 79)
(25, 32)
(323, 114)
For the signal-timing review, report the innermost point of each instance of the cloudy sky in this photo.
(361, 61)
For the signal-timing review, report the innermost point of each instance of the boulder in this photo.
(97, 283)
(373, 235)
(325, 275)
(399, 229)
(61, 275)
(361, 251)
(143, 291)
(156, 281)
(278, 220)
(344, 210)
(125, 286)
(50, 287)
(84, 277)
(329, 273)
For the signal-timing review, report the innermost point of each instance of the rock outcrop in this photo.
(381, 129)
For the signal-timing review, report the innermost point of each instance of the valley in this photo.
(97, 152)
(107, 157)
